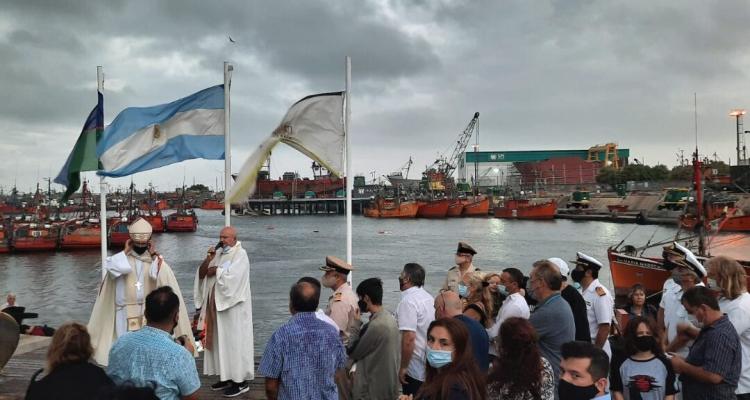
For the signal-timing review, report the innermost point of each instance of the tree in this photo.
(609, 176)
(681, 173)
(198, 188)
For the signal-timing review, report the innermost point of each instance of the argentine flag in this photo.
(144, 138)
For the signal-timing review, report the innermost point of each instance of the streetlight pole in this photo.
(738, 113)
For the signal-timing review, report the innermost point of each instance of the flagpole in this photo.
(228, 68)
(102, 184)
(349, 180)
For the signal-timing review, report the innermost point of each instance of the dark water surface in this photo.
(62, 286)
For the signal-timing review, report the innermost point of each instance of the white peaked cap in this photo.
(561, 265)
(588, 259)
(140, 230)
(691, 260)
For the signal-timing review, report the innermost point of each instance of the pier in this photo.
(335, 205)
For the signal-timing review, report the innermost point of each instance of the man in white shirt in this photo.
(514, 304)
(599, 302)
(687, 272)
(414, 314)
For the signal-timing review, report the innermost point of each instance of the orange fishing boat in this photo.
(456, 208)
(523, 209)
(118, 233)
(479, 207)
(433, 209)
(156, 220)
(182, 221)
(81, 234)
(211, 204)
(35, 237)
(739, 223)
(391, 208)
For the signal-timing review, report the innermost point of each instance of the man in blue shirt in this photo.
(303, 355)
(149, 357)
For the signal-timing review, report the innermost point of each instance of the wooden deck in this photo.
(14, 378)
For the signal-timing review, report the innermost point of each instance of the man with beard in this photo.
(129, 276)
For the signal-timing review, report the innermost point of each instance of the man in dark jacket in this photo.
(575, 300)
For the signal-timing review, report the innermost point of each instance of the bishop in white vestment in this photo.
(222, 292)
(130, 276)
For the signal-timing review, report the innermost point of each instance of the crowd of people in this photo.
(554, 334)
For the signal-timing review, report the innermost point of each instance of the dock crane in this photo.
(440, 172)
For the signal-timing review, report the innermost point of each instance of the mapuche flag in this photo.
(83, 157)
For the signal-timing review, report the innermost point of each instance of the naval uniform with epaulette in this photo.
(455, 276)
(344, 311)
(599, 310)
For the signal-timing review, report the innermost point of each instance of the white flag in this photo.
(314, 126)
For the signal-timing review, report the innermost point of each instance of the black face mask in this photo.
(140, 249)
(669, 265)
(401, 283)
(569, 391)
(362, 306)
(644, 343)
(577, 275)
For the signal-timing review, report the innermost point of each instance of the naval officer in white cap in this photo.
(599, 302)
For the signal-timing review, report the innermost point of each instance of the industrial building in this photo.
(537, 169)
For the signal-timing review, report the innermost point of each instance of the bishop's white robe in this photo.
(129, 279)
(231, 354)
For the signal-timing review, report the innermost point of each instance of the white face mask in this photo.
(459, 260)
(712, 284)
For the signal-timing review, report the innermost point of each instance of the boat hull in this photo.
(212, 205)
(406, 209)
(433, 209)
(736, 224)
(82, 238)
(35, 244)
(628, 270)
(477, 208)
(182, 223)
(456, 208)
(156, 221)
(523, 210)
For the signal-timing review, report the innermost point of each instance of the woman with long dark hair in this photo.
(452, 372)
(646, 374)
(520, 372)
(637, 306)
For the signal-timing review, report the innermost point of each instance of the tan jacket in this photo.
(344, 310)
(454, 277)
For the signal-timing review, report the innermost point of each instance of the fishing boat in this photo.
(382, 207)
(433, 208)
(477, 207)
(81, 234)
(183, 219)
(212, 204)
(524, 209)
(456, 207)
(156, 219)
(118, 233)
(35, 236)
(629, 266)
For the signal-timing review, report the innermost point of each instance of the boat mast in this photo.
(698, 177)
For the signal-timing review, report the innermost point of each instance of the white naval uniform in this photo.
(599, 310)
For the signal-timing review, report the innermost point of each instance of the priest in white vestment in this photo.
(130, 276)
(222, 292)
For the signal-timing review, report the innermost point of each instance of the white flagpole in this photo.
(102, 185)
(349, 180)
(228, 68)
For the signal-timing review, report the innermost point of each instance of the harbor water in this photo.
(62, 286)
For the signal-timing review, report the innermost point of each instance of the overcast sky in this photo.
(562, 74)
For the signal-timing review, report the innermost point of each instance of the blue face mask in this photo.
(502, 290)
(226, 249)
(463, 291)
(439, 358)
(576, 285)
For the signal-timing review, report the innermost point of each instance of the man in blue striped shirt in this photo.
(303, 355)
(711, 370)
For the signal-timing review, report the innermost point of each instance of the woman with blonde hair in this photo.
(728, 277)
(69, 374)
(479, 300)
(493, 280)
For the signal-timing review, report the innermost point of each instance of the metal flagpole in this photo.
(102, 184)
(228, 68)
(349, 180)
